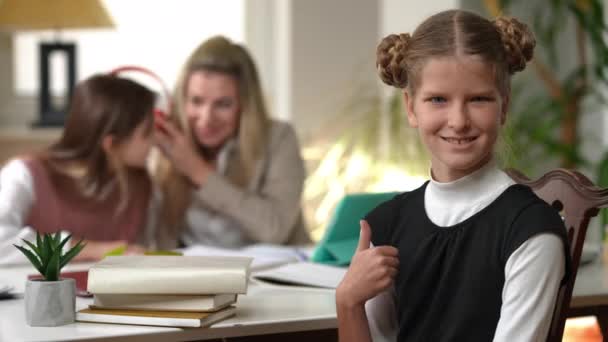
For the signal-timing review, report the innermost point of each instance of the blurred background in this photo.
(316, 59)
(317, 64)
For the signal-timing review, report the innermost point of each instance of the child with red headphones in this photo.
(92, 182)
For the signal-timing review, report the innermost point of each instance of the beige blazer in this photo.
(269, 210)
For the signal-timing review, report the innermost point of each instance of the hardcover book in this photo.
(195, 303)
(156, 318)
(195, 275)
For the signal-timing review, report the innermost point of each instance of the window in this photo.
(156, 34)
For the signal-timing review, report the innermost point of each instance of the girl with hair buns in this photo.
(470, 255)
(231, 176)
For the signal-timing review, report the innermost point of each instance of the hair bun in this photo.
(518, 41)
(390, 59)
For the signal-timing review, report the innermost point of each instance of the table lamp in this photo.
(30, 15)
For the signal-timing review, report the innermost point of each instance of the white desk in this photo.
(266, 309)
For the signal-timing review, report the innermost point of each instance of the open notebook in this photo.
(305, 274)
(265, 256)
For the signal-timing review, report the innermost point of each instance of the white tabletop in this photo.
(265, 309)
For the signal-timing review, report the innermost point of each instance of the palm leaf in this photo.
(62, 243)
(38, 241)
(52, 269)
(32, 246)
(32, 257)
(46, 255)
(71, 253)
(56, 240)
(46, 249)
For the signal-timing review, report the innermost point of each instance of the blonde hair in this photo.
(505, 42)
(218, 54)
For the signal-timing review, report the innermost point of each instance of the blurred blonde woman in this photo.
(230, 176)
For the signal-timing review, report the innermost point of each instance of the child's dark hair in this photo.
(102, 105)
(505, 42)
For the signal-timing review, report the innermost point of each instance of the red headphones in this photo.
(164, 112)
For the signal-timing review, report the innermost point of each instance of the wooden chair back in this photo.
(578, 200)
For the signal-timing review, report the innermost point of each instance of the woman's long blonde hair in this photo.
(218, 54)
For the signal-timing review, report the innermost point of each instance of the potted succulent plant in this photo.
(50, 301)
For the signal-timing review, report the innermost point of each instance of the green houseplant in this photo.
(50, 301)
(570, 68)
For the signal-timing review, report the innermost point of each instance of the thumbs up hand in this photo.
(372, 270)
(365, 236)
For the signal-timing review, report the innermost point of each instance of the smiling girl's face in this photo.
(458, 111)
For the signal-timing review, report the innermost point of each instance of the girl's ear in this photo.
(107, 143)
(409, 107)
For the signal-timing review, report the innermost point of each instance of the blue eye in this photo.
(436, 99)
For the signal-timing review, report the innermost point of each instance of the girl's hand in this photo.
(135, 250)
(96, 250)
(179, 149)
(372, 270)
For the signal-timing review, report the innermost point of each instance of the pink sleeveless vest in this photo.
(64, 209)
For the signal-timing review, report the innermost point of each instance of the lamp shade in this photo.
(18, 15)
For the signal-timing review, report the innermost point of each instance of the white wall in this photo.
(159, 37)
(260, 36)
(400, 16)
(313, 55)
(333, 56)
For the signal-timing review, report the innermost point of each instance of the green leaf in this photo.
(62, 243)
(38, 241)
(32, 247)
(32, 257)
(46, 250)
(56, 240)
(71, 253)
(52, 269)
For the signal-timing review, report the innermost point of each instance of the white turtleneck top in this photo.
(532, 273)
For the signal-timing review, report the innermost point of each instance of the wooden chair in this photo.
(578, 200)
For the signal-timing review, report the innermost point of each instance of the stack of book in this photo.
(177, 291)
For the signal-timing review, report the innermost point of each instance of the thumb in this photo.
(365, 236)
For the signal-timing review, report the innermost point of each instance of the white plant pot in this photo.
(50, 303)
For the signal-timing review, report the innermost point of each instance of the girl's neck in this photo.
(447, 204)
(481, 177)
(446, 175)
